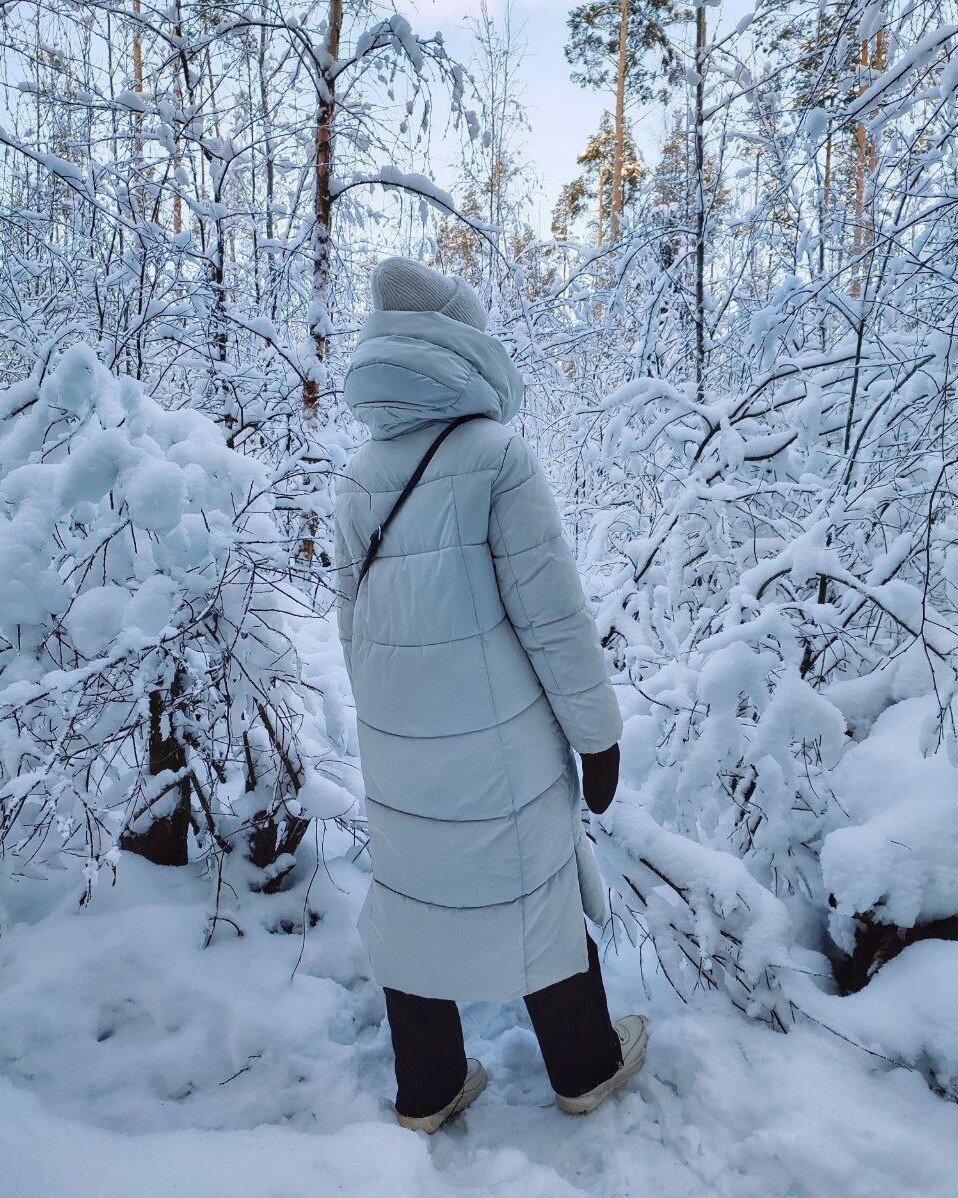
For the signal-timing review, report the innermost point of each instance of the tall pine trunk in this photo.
(619, 151)
(700, 39)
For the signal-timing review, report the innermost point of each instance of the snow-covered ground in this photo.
(135, 1062)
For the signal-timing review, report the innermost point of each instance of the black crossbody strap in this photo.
(378, 532)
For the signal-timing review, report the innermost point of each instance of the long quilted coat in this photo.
(475, 664)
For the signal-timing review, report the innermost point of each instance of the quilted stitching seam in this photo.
(477, 819)
(482, 906)
(446, 640)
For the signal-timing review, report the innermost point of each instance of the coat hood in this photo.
(413, 368)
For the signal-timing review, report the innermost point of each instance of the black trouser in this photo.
(579, 1045)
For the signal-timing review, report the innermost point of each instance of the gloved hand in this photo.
(600, 777)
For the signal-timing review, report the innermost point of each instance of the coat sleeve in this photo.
(344, 581)
(543, 597)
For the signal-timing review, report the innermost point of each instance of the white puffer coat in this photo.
(475, 664)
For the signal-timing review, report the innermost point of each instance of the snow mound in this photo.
(897, 857)
(907, 1012)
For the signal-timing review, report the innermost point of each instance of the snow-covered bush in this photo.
(787, 577)
(148, 683)
(759, 455)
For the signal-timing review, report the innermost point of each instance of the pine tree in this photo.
(613, 39)
(598, 180)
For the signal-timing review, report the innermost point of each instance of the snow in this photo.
(126, 528)
(768, 533)
(913, 58)
(897, 857)
(156, 495)
(389, 175)
(150, 609)
(95, 616)
(366, 1161)
(323, 798)
(261, 1065)
(132, 1054)
(906, 1012)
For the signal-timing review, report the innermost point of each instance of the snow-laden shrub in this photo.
(787, 576)
(714, 927)
(148, 683)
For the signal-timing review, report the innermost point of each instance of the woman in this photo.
(476, 668)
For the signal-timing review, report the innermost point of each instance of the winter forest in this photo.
(736, 317)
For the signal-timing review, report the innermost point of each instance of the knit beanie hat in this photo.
(404, 285)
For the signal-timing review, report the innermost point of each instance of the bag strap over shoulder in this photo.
(379, 531)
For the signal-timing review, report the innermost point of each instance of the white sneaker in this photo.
(633, 1033)
(472, 1087)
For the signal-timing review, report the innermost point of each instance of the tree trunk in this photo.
(323, 200)
(218, 171)
(601, 207)
(619, 150)
(269, 153)
(826, 203)
(322, 227)
(866, 160)
(139, 196)
(164, 842)
(861, 150)
(700, 41)
(823, 220)
(275, 834)
(876, 944)
(878, 64)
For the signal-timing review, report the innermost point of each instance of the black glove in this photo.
(600, 777)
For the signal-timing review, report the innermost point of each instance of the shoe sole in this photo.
(588, 1102)
(470, 1091)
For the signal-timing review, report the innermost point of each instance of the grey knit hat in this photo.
(404, 285)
